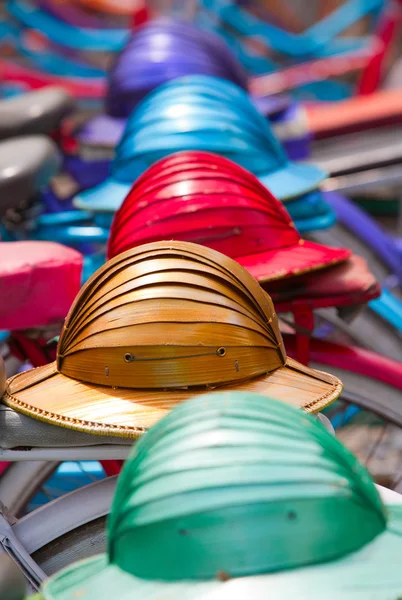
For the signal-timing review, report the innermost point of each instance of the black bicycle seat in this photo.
(26, 166)
(40, 111)
(12, 581)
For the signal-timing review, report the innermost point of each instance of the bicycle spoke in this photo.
(377, 444)
(372, 436)
(68, 477)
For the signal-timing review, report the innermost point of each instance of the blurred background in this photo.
(335, 68)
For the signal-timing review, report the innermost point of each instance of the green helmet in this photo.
(231, 491)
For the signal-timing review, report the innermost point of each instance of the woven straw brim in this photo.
(50, 396)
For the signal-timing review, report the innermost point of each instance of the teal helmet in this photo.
(202, 112)
(234, 495)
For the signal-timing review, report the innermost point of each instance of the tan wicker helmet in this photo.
(154, 326)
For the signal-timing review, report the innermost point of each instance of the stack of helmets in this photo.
(159, 52)
(163, 50)
(154, 326)
(235, 496)
(207, 199)
(206, 113)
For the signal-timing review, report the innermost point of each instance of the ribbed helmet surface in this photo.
(170, 315)
(163, 50)
(197, 113)
(234, 484)
(203, 198)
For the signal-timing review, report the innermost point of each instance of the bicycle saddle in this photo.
(26, 165)
(39, 111)
(38, 282)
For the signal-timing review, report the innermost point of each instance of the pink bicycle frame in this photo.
(316, 70)
(303, 314)
(351, 358)
(9, 71)
(388, 27)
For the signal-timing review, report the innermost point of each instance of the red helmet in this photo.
(207, 199)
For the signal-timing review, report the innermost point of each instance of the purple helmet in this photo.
(163, 50)
(158, 52)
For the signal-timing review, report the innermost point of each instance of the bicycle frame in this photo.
(74, 15)
(79, 88)
(364, 227)
(37, 352)
(287, 79)
(28, 535)
(64, 34)
(388, 27)
(351, 358)
(49, 57)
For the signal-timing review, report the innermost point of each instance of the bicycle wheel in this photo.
(28, 485)
(367, 330)
(71, 527)
(378, 334)
(368, 419)
(21, 481)
(68, 528)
